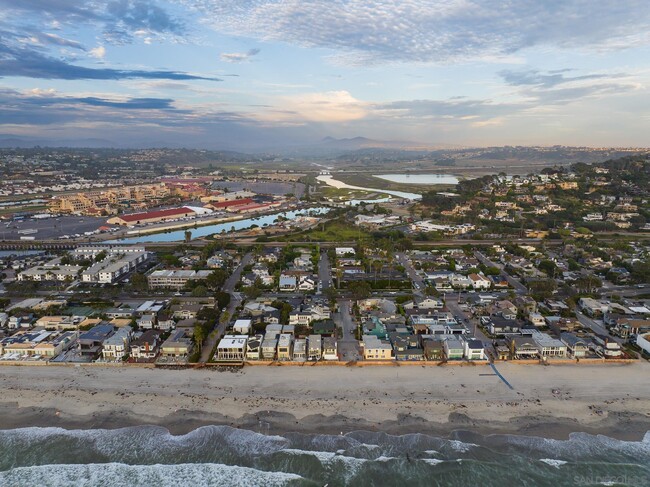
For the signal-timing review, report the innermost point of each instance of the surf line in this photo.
(501, 377)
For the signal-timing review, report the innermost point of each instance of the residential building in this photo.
(232, 348)
(242, 327)
(474, 349)
(177, 346)
(285, 347)
(576, 347)
(91, 342)
(454, 349)
(146, 346)
(376, 349)
(548, 346)
(270, 345)
(254, 347)
(117, 346)
(314, 347)
(330, 348)
(174, 279)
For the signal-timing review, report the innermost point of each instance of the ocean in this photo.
(226, 456)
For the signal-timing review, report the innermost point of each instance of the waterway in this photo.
(261, 221)
(418, 178)
(330, 181)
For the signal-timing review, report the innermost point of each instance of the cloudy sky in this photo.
(247, 74)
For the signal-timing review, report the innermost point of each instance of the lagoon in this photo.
(419, 178)
(260, 221)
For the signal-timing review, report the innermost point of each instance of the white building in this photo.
(232, 348)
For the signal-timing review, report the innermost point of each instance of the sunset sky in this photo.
(257, 74)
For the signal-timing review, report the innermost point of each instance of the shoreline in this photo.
(610, 400)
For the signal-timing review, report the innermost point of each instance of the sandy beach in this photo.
(552, 401)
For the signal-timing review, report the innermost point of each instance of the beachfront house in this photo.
(254, 347)
(376, 349)
(474, 349)
(576, 347)
(454, 349)
(117, 346)
(232, 348)
(314, 347)
(330, 349)
(147, 346)
(299, 350)
(178, 346)
(270, 345)
(285, 346)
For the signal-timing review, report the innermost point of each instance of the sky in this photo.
(260, 74)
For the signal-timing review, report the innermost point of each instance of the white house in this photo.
(480, 282)
(232, 348)
(242, 327)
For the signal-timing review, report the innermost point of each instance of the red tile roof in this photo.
(169, 213)
(226, 204)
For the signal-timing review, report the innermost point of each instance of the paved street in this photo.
(348, 345)
(514, 282)
(235, 300)
(452, 304)
(416, 279)
(596, 326)
(324, 271)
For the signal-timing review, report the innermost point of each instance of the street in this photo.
(451, 301)
(416, 279)
(596, 327)
(514, 282)
(324, 272)
(348, 345)
(235, 300)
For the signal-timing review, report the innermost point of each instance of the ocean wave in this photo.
(118, 475)
(553, 462)
(356, 458)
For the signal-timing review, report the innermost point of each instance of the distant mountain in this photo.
(357, 143)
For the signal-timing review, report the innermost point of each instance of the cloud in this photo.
(118, 20)
(327, 107)
(553, 78)
(555, 88)
(239, 57)
(26, 62)
(98, 52)
(450, 109)
(362, 32)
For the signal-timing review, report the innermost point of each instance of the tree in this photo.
(331, 294)
(139, 281)
(199, 336)
(360, 290)
(548, 267)
(188, 236)
(200, 291)
(216, 279)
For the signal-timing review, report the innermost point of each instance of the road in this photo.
(348, 345)
(451, 301)
(416, 279)
(324, 271)
(596, 327)
(235, 300)
(514, 282)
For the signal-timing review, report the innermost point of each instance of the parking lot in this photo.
(50, 228)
